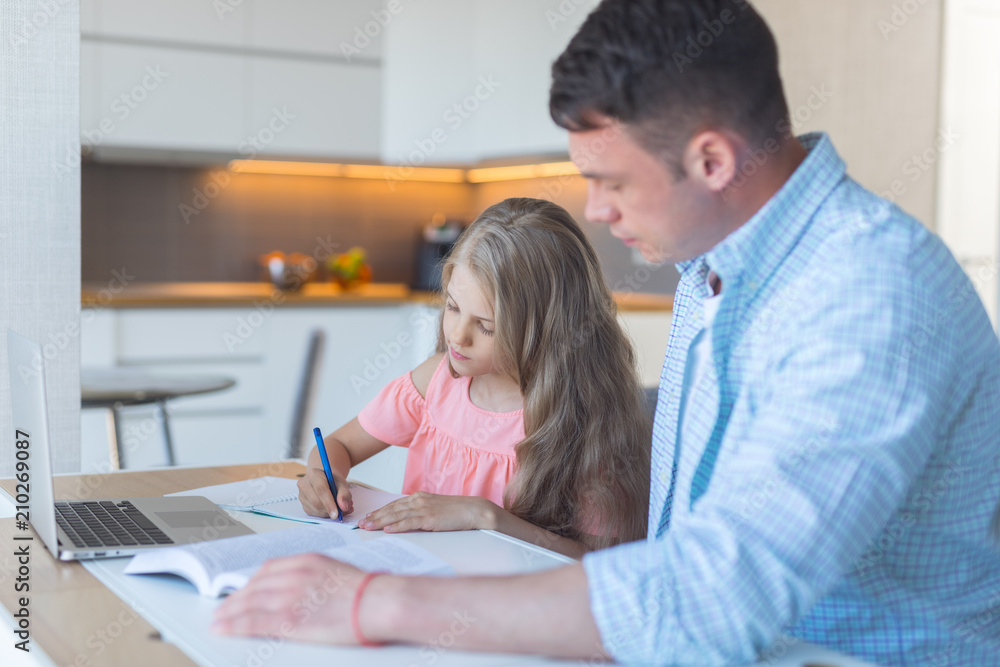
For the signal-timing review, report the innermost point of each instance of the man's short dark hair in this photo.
(670, 68)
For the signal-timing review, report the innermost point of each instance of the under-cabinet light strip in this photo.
(403, 173)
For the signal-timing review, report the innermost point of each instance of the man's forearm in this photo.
(545, 613)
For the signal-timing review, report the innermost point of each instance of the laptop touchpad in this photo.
(195, 519)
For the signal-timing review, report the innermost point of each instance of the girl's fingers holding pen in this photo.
(309, 499)
(344, 498)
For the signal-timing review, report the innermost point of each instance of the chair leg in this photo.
(168, 443)
(114, 441)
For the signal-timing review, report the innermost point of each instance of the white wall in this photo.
(969, 202)
(877, 69)
(40, 209)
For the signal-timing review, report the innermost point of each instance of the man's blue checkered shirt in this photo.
(838, 467)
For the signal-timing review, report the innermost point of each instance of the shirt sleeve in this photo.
(844, 421)
(395, 414)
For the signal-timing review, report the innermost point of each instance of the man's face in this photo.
(640, 199)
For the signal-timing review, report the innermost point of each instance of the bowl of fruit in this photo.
(350, 269)
(288, 271)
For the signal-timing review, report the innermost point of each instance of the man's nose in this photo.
(598, 209)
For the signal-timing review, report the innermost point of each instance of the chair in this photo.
(652, 393)
(116, 387)
(301, 434)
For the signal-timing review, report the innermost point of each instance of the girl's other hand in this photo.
(315, 496)
(429, 511)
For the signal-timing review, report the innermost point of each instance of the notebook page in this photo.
(365, 500)
(246, 494)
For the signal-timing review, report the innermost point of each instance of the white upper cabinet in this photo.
(350, 29)
(196, 22)
(162, 98)
(313, 109)
(468, 80)
(429, 82)
(288, 78)
(429, 79)
(517, 42)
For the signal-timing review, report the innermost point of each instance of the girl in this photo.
(529, 419)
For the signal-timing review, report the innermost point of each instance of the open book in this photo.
(219, 566)
(279, 496)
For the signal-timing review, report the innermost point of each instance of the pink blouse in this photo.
(456, 448)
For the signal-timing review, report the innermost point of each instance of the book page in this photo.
(391, 554)
(239, 553)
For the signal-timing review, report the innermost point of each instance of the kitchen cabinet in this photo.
(162, 98)
(194, 22)
(478, 73)
(264, 350)
(233, 78)
(319, 27)
(312, 109)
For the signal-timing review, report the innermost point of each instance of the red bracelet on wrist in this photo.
(356, 607)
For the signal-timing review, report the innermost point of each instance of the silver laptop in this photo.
(99, 528)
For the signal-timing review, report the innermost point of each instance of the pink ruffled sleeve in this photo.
(395, 414)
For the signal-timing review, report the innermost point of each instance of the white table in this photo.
(181, 616)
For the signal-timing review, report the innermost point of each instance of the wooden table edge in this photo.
(74, 619)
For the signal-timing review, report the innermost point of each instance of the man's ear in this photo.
(710, 157)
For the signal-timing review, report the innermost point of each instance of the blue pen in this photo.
(329, 471)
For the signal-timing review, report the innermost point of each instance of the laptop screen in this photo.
(31, 424)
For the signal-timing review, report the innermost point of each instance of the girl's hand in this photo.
(315, 496)
(429, 511)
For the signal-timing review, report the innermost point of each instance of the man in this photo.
(825, 449)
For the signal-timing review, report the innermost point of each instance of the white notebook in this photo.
(279, 496)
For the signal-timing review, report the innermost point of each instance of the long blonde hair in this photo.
(583, 467)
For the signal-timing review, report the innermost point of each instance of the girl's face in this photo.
(468, 325)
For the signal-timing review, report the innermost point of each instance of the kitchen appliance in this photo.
(436, 242)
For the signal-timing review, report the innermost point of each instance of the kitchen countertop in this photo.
(187, 295)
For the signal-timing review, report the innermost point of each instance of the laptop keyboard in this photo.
(104, 523)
